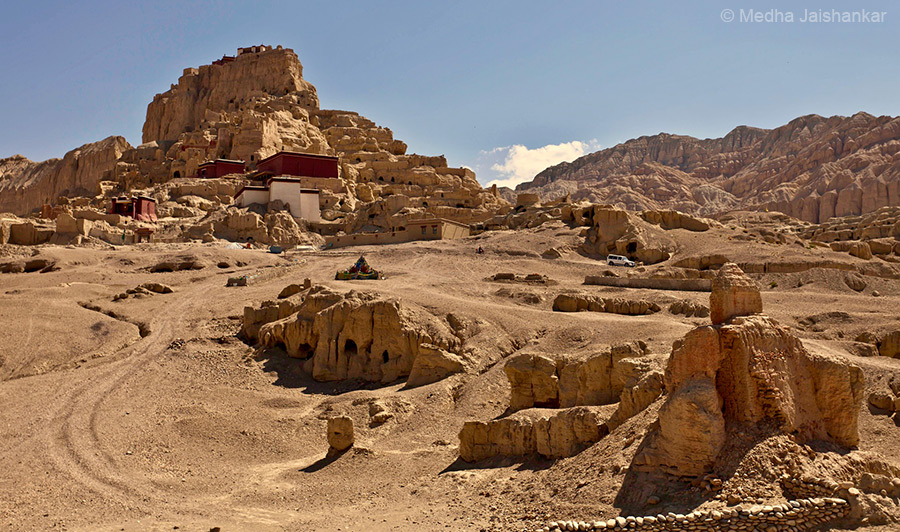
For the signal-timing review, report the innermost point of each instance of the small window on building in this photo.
(434, 229)
(424, 229)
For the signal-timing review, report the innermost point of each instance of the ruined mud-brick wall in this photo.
(792, 516)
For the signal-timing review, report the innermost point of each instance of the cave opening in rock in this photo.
(385, 356)
(350, 348)
(304, 351)
(177, 174)
(631, 247)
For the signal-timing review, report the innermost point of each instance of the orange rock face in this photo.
(733, 294)
(747, 370)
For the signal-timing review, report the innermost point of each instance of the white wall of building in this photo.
(254, 196)
(309, 206)
(303, 204)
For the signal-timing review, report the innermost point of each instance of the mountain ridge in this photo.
(812, 168)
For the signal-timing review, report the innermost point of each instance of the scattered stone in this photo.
(237, 281)
(157, 288)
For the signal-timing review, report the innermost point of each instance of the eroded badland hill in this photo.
(486, 368)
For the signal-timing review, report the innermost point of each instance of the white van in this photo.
(619, 260)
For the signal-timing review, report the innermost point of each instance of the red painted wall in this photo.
(144, 209)
(220, 168)
(298, 164)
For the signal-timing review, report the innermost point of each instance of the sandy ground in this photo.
(149, 414)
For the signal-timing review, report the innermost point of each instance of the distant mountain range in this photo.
(812, 168)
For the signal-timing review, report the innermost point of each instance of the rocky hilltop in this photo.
(248, 107)
(812, 168)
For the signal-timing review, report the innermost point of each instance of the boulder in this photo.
(290, 290)
(158, 288)
(889, 345)
(855, 281)
(340, 433)
(882, 401)
(861, 250)
(733, 294)
(433, 364)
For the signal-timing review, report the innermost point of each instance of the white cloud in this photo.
(520, 164)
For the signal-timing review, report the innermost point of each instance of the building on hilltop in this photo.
(297, 164)
(425, 229)
(254, 49)
(219, 168)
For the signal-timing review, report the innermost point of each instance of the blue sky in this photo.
(504, 87)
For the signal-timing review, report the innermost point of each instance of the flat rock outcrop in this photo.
(746, 370)
(613, 305)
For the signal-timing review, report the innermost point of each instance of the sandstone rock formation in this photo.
(552, 436)
(576, 389)
(733, 294)
(613, 305)
(433, 364)
(26, 185)
(746, 370)
(889, 344)
(613, 230)
(539, 380)
(812, 168)
(689, 308)
(356, 336)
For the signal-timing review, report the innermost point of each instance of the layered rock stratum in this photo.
(812, 168)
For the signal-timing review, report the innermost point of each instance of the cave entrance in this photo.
(304, 351)
(385, 356)
(350, 348)
(177, 174)
(631, 247)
